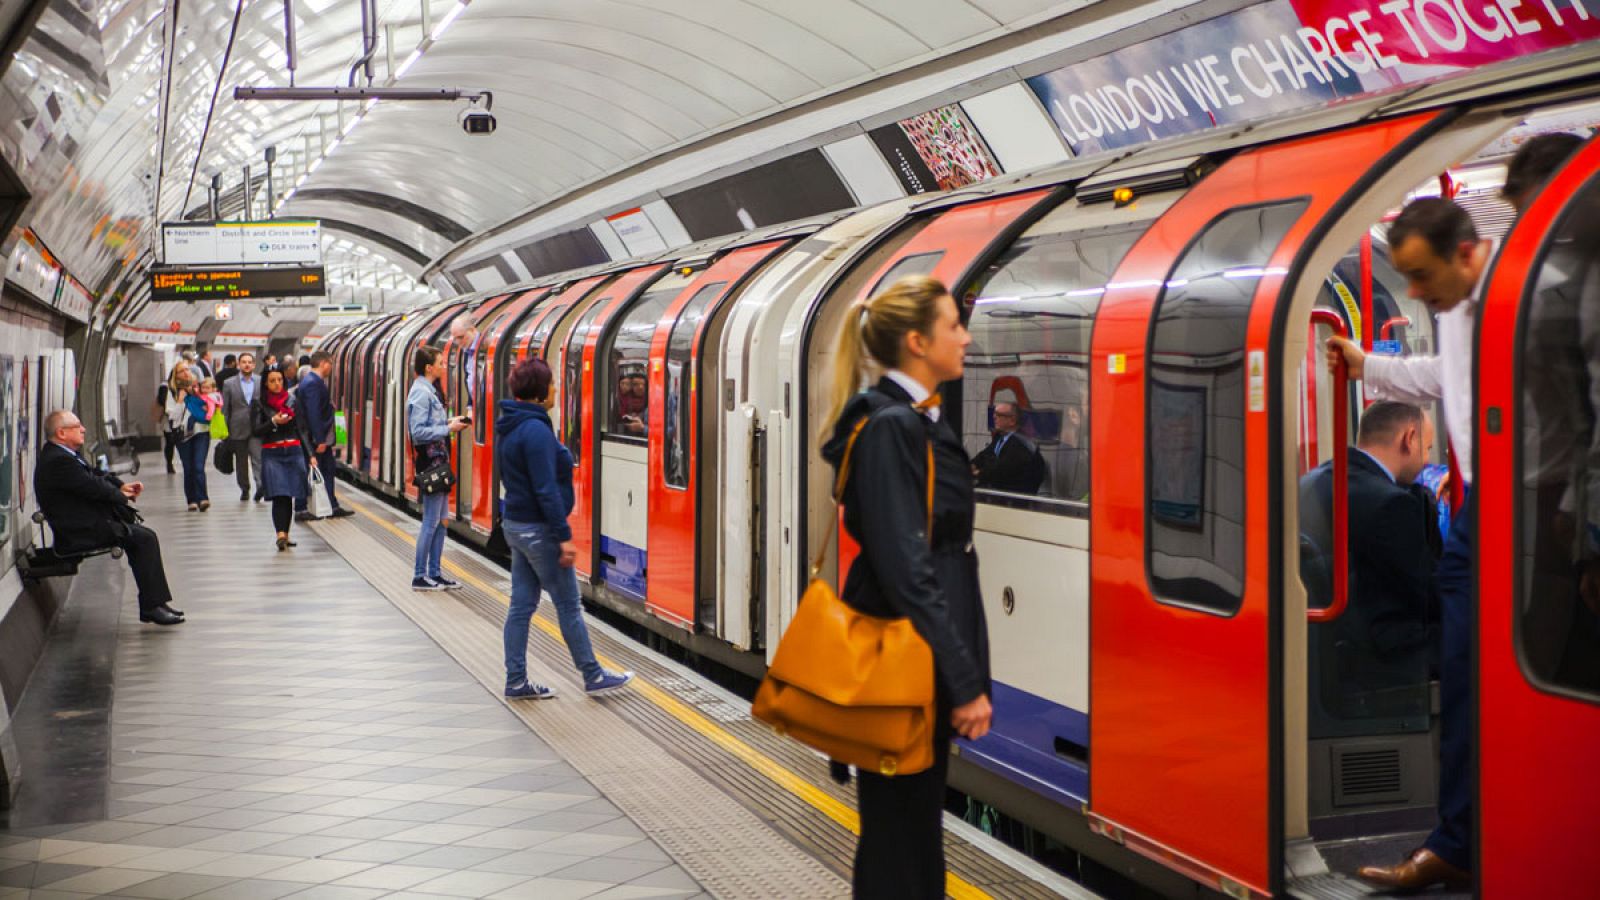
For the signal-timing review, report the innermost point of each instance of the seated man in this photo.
(88, 510)
(1011, 462)
(1384, 639)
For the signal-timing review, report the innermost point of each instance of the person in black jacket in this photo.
(89, 510)
(1383, 641)
(914, 330)
(1012, 461)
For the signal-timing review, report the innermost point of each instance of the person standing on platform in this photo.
(913, 329)
(536, 470)
(316, 421)
(89, 510)
(283, 460)
(169, 414)
(238, 407)
(230, 368)
(195, 443)
(430, 432)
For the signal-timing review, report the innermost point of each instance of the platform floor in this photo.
(317, 729)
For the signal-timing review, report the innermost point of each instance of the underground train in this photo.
(1163, 685)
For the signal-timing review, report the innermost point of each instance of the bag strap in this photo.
(844, 476)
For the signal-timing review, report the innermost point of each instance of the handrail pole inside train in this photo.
(1341, 476)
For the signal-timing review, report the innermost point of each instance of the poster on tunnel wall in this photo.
(1288, 55)
(950, 147)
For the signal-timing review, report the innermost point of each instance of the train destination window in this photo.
(1195, 406)
(1558, 470)
(680, 348)
(572, 380)
(628, 362)
(1025, 392)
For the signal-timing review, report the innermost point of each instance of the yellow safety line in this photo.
(956, 886)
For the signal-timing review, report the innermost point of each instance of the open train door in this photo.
(1192, 428)
(1538, 546)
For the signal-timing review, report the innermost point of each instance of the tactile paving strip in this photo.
(607, 750)
(800, 821)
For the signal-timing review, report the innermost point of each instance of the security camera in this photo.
(477, 121)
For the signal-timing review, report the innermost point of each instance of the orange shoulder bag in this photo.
(856, 687)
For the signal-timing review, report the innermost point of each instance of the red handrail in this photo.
(1388, 327)
(1341, 475)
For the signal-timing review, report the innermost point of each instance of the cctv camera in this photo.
(477, 121)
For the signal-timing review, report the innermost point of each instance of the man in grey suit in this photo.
(237, 394)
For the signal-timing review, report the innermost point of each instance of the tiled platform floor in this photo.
(299, 736)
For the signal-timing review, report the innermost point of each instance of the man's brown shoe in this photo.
(1422, 869)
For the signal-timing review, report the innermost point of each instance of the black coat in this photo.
(1394, 544)
(85, 508)
(885, 509)
(262, 425)
(1018, 468)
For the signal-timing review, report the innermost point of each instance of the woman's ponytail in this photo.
(876, 329)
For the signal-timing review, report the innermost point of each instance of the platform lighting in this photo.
(449, 19)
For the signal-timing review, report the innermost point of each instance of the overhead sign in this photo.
(243, 243)
(237, 284)
(222, 312)
(1281, 56)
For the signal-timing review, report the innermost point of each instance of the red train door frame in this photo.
(377, 389)
(486, 492)
(1186, 724)
(1537, 782)
(463, 365)
(584, 521)
(425, 335)
(672, 584)
(962, 236)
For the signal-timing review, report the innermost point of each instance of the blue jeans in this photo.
(193, 455)
(430, 539)
(536, 564)
(1452, 838)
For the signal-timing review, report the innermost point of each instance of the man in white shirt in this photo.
(1436, 247)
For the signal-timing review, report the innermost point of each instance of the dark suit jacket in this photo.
(314, 409)
(223, 374)
(86, 509)
(1391, 561)
(1019, 467)
(237, 410)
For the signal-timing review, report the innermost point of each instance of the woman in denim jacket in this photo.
(430, 431)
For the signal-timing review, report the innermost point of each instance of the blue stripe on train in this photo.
(1022, 745)
(625, 572)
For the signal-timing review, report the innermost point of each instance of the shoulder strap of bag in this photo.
(844, 476)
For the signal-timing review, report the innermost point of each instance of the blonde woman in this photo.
(913, 332)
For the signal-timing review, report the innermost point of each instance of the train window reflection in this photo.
(628, 363)
(1558, 553)
(917, 264)
(680, 382)
(1026, 387)
(572, 379)
(1195, 409)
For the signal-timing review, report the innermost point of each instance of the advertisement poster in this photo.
(949, 147)
(1287, 55)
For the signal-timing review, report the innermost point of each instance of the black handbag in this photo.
(222, 458)
(437, 479)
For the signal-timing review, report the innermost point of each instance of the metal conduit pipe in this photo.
(369, 41)
(288, 37)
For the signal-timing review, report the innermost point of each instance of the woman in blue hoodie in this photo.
(536, 475)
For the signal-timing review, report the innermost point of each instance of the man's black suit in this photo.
(87, 511)
(1018, 467)
(1386, 636)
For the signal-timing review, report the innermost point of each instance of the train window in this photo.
(1026, 387)
(628, 364)
(1558, 377)
(572, 379)
(1194, 414)
(680, 382)
(917, 264)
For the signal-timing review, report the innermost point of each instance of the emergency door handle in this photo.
(1341, 475)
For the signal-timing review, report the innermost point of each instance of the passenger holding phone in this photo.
(430, 432)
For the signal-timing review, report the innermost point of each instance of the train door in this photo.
(397, 377)
(365, 446)
(466, 383)
(494, 364)
(581, 393)
(432, 331)
(673, 588)
(1192, 647)
(628, 424)
(1538, 545)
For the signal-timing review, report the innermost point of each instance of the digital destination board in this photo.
(237, 284)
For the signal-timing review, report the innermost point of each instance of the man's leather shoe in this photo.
(1422, 869)
(343, 512)
(304, 515)
(172, 609)
(244, 496)
(160, 616)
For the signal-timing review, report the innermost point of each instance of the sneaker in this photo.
(447, 583)
(425, 584)
(529, 690)
(607, 683)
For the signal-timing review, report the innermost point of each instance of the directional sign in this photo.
(242, 243)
